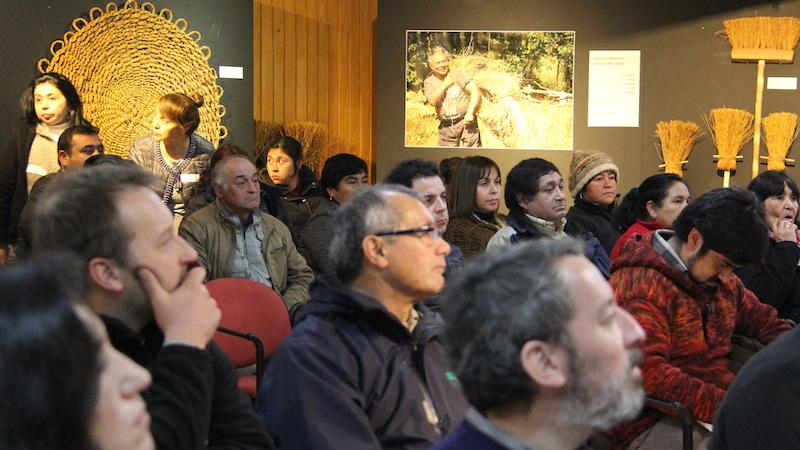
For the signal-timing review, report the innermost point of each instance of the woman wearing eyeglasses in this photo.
(303, 194)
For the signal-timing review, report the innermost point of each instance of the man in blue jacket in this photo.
(365, 367)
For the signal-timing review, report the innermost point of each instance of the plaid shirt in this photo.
(662, 247)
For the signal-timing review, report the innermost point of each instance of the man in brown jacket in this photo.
(234, 239)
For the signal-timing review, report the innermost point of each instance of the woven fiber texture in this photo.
(123, 58)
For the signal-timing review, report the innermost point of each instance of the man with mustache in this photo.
(235, 239)
(544, 354)
(534, 194)
(681, 287)
(143, 278)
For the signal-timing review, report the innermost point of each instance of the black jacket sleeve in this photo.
(180, 398)
(772, 281)
(234, 424)
(9, 177)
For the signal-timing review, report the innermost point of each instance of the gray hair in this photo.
(218, 171)
(368, 212)
(496, 304)
(436, 50)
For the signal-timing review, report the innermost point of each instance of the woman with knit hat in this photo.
(593, 184)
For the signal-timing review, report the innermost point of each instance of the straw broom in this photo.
(676, 139)
(730, 129)
(780, 130)
(762, 40)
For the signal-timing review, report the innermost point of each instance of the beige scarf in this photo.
(43, 158)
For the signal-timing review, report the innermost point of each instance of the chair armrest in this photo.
(680, 411)
(259, 350)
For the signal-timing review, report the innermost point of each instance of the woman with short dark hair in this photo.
(776, 281)
(342, 176)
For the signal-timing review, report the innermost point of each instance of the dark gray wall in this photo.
(226, 26)
(686, 71)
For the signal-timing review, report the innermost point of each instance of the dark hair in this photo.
(771, 184)
(290, 146)
(65, 140)
(367, 212)
(79, 212)
(731, 223)
(496, 304)
(69, 92)
(182, 108)
(409, 170)
(634, 206)
(49, 378)
(223, 151)
(461, 197)
(524, 179)
(106, 159)
(448, 167)
(339, 166)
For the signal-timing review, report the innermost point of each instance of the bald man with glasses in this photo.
(365, 367)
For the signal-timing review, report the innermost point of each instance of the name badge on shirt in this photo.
(187, 178)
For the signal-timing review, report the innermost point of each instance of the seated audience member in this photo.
(301, 193)
(63, 385)
(271, 201)
(776, 280)
(342, 176)
(563, 354)
(365, 368)
(537, 205)
(474, 199)
(761, 409)
(143, 278)
(75, 145)
(448, 167)
(234, 239)
(593, 184)
(173, 152)
(654, 205)
(423, 177)
(680, 286)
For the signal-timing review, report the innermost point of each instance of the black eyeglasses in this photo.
(427, 233)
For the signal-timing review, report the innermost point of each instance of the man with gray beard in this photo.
(543, 352)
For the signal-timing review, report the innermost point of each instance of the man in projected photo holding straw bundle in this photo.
(456, 98)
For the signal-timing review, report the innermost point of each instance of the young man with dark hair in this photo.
(544, 354)
(680, 286)
(364, 367)
(534, 194)
(423, 177)
(144, 279)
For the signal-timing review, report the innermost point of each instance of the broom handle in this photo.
(726, 178)
(757, 124)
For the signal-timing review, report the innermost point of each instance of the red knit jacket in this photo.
(689, 328)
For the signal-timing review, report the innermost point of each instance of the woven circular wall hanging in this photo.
(124, 58)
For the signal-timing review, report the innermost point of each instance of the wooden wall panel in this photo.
(313, 61)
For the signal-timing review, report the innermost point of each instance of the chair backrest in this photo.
(249, 307)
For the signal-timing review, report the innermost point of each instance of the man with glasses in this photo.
(364, 367)
(234, 239)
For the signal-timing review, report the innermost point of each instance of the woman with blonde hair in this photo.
(173, 152)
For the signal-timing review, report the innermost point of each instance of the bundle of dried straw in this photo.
(780, 130)
(730, 129)
(778, 33)
(675, 141)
